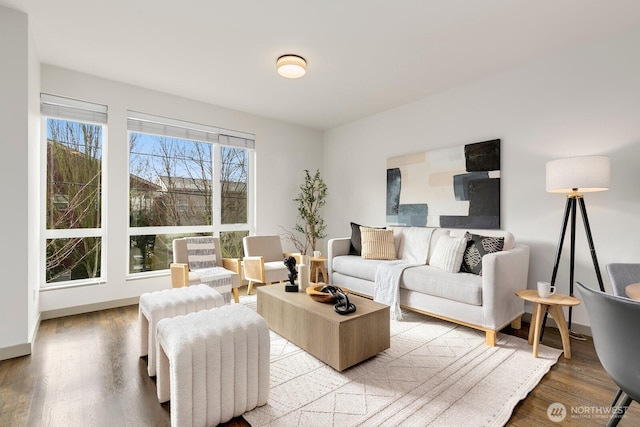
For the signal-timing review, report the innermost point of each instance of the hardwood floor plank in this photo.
(85, 371)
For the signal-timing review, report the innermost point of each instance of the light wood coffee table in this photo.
(340, 341)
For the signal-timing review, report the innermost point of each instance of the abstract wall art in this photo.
(457, 187)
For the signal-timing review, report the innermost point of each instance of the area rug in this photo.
(435, 373)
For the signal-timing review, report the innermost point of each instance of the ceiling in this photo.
(364, 56)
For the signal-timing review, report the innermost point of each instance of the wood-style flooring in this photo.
(85, 371)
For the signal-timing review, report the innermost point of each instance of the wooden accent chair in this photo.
(181, 276)
(263, 260)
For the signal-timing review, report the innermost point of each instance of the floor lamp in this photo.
(574, 176)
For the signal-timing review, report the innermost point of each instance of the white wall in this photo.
(584, 102)
(283, 151)
(34, 168)
(14, 137)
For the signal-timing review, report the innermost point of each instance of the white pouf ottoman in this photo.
(158, 305)
(213, 365)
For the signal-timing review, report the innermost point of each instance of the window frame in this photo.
(72, 110)
(216, 227)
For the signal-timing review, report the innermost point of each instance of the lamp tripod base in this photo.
(574, 201)
(577, 336)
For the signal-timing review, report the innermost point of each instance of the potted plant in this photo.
(310, 200)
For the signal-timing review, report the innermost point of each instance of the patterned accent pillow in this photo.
(477, 247)
(377, 243)
(447, 254)
(201, 252)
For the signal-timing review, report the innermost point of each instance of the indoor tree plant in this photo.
(310, 200)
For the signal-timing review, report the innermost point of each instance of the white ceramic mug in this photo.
(545, 289)
(317, 254)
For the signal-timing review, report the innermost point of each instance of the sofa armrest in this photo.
(503, 273)
(336, 247)
(254, 268)
(179, 275)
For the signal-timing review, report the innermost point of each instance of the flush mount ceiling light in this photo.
(291, 66)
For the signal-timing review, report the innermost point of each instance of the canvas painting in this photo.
(457, 187)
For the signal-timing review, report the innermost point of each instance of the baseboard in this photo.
(578, 329)
(15, 351)
(35, 329)
(80, 309)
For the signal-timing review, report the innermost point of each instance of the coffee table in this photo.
(340, 341)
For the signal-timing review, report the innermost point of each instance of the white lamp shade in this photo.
(291, 66)
(578, 174)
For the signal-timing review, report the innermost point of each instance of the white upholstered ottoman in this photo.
(213, 365)
(158, 305)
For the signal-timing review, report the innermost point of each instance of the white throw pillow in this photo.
(448, 253)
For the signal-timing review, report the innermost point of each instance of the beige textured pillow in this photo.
(377, 243)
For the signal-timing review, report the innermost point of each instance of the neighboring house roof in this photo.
(196, 184)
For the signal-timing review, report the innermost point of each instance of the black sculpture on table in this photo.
(290, 262)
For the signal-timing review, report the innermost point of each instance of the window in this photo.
(185, 179)
(75, 137)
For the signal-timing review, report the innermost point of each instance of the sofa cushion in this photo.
(356, 240)
(426, 279)
(356, 266)
(275, 271)
(477, 247)
(447, 255)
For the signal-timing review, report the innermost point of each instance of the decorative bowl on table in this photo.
(315, 294)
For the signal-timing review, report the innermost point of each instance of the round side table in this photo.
(318, 266)
(553, 305)
(633, 291)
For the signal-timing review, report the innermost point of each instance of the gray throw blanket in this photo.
(219, 279)
(201, 251)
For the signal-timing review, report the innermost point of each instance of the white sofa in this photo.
(487, 302)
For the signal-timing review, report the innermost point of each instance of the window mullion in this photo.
(217, 188)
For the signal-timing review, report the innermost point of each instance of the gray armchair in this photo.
(622, 275)
(182, 276)
(264, 260)
(616, 337)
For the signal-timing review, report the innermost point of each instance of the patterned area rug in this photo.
(436, 373)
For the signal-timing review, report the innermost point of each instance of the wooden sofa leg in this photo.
(249, 287)
(236, 297)
(517, 323)
(490, 338)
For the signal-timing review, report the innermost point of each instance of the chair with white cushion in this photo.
(183, 273)
(264, 260)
